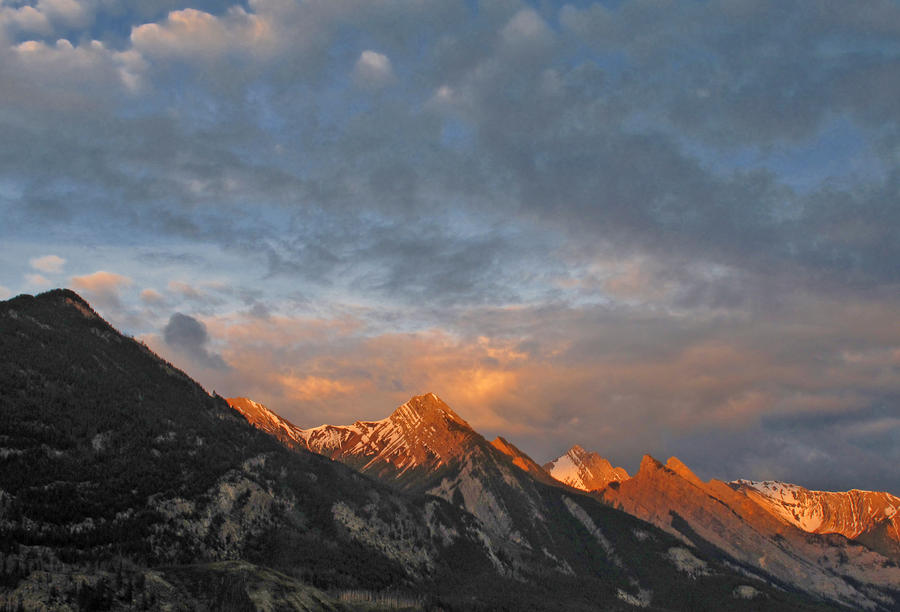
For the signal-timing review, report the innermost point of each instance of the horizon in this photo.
(631, 470)
(640, 228)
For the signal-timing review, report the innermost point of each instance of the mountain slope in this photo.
(713, 515)
(522, 461)
(584, 470)
(872, 517)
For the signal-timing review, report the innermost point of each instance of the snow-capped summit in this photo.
(869, 516)
(423, 433)
(584, 470)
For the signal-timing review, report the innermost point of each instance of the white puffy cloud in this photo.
(48, 263)
(24, 19)
(526, 30)
(373, 70)
(192, 34)
(68, 75)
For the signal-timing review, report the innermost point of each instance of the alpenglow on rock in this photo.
(584, 470)
(872, 517)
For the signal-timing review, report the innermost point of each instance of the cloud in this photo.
(25, 19)
(526, 31)
(50, 264)
(192, 35)
(103, 288)
(188, 335)
(373, 70)
(184, 290)
(307, 388)
(68, 13)
(37, 280)
(68, 76)
(152, 296)
(5, 293)
(100, 282)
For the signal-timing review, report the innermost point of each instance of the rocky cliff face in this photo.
(715, 515)
(871, 517)
(584, 470)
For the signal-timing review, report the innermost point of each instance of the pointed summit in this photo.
(420, 436)
(649, 463)
(423, 409)
(675, 464)
(584, 470)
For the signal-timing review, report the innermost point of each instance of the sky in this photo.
(641, 226)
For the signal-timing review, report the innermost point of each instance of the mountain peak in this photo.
(421, 434)
(675, 464)
(426, 408)
(54, 300)
(649, 464)
(872, 517)
(584, 470)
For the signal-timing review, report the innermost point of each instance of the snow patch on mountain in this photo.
(584, 470)
(849, 513)
(686, 562)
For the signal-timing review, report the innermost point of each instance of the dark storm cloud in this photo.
(187, 334)
(814, 450)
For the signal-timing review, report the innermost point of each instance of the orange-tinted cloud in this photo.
(102, 288)
(152, 296)
(100, 282)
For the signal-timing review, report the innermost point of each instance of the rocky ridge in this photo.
(872, 517)
(537, 524)
(584, 470)
(715, 515)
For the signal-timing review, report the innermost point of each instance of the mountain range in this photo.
(125, 485)
(846, 553)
